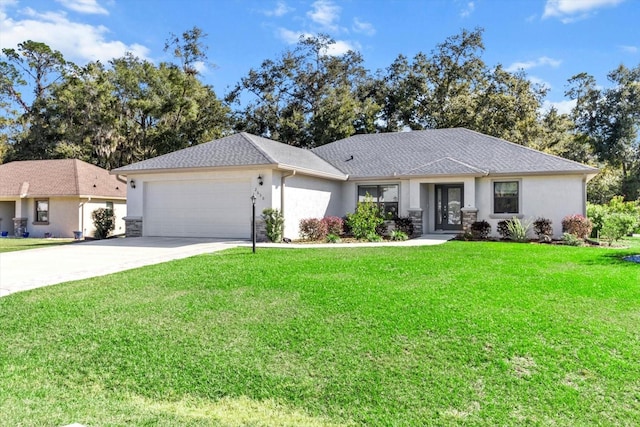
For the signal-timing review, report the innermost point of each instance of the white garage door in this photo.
(197, 209)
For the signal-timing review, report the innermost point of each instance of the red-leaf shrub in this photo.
(313, 229)
(335, 225)
(542, 227)
(577, 225)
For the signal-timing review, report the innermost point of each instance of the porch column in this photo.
(469, 216)
(416, 220)
(19, 226)
(133, 226)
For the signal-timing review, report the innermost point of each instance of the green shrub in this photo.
(274, 222)
(542, 227)
(364, 221)
(399, 236)
(577, 225)
(333, 238)
(373, 237)
(616, 225)
(518, 230)
(405, 225)
(503, 229)
(104, 221)
(313, 229)
(571, 239)
(480, 230)
(596, 214)
(335, 225)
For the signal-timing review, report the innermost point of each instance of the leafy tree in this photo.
(609, 119)
(36, 65)
(306, 97)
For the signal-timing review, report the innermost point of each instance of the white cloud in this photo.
(573, 10)
(542, 61)
(468, 10)
(563, 107)
(324, 13)
(84, 6)
(340, 47)
(291, 37)
(281, 9)
(363, 27)
(630, 49)
(77, 41)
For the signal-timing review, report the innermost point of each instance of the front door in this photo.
(449, 202)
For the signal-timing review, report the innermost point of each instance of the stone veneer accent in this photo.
(469, 216)
(133, 226)
(261, 229)
(416, 220)
(19, 226)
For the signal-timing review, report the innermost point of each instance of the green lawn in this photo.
(17, 244)
(464, 333)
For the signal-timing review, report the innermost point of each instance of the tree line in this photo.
(131, 109)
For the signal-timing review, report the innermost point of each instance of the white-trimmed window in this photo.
(42, 211)
(385, 196)
(506, 197)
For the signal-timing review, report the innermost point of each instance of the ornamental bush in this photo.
(364, 221)
(542, 227)
(616, 225)
(274, 224)
(313, 229)
(518, 229)
(577, 225)
(480, 230)
(405, 225)
(104, 221)
(503, 229)
(335, 225)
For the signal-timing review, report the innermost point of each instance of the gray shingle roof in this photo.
(439, 152)
(241, 149)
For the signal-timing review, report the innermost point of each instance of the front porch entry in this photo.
(449, 201)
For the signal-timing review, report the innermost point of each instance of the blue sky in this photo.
(550, 39)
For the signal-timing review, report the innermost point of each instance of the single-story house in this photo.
(443, 179)
(56, 197)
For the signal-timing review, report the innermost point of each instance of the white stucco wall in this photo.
(86, 207)
(551, 197)
(309, 197)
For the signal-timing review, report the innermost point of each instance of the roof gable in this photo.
(238, 150)
(63, 177)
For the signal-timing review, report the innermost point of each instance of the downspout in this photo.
(282, 187)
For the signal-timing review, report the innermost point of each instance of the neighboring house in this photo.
(444, 180)
(56, 197)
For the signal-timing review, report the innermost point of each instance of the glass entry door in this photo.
(449, 202)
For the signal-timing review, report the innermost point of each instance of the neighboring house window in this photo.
(109, 207)
(506, 197)
(42, 212)
(385, 196)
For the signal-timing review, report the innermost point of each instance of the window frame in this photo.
(36, 217)
(517, 197)
(386, 206)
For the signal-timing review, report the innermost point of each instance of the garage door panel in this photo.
(197, 209)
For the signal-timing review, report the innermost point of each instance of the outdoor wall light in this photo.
(260, 182)
(132, 183)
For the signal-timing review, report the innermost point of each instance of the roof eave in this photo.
(192, 169)
(313, 172)
(585, 172)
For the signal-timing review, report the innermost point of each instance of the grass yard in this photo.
(465, 333)
(13, 244)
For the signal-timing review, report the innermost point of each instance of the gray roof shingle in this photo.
(240, 149)
(439, 152)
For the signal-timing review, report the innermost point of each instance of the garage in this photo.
(198, 208)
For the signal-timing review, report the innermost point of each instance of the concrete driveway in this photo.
(34, 268)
